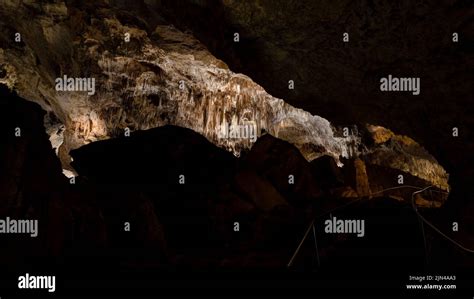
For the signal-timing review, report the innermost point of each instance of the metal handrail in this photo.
(420, 189)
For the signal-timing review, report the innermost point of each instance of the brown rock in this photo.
(258, 190)
(362, 180)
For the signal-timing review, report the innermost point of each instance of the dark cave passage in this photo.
(161, 200)
(136, 179)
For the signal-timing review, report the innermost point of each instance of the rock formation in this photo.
(175, 98)
(149, 78)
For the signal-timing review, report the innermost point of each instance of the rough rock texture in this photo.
(173, 226)
(303, 40)
(161, 76)
(362, 180)
(137, 86)
(403, 153)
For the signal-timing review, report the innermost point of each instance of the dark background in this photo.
(279, 41)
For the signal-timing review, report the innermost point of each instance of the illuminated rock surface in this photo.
(138, 87)
(136, 178)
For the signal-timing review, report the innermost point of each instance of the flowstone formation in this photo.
(146, 78)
